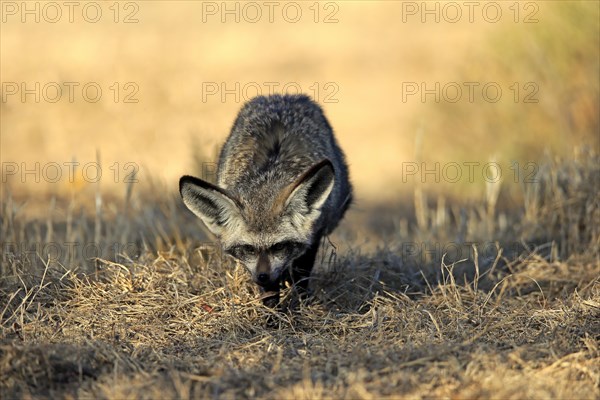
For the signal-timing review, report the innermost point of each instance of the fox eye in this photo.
(279, 246)
(283, 246)
(243, 250)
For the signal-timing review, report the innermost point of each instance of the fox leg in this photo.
(302, 267)
(270, 297)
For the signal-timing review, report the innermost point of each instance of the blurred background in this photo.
(153, 87)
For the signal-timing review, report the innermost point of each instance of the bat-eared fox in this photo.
(282, 183)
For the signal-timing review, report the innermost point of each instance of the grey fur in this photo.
(282, 180)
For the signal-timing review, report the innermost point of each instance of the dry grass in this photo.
(169, 318)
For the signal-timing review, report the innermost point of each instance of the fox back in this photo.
(282, 183)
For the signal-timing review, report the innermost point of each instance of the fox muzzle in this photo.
(262, 276)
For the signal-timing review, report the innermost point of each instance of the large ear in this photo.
(311, 189)
(212, 204)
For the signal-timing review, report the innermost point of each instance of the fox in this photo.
(282, 185)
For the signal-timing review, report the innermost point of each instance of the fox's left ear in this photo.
(213, 205)
(310, 191)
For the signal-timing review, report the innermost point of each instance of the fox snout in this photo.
(263, 275)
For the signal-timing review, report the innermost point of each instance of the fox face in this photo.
(263, 228)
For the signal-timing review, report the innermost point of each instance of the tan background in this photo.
(366, 56)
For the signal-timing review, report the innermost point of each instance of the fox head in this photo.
(265, 236)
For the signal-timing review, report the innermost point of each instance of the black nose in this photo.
(262, 278)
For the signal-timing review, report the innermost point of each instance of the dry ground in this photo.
(515, 316)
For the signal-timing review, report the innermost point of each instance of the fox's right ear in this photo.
(311, 189)
(212, 204)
